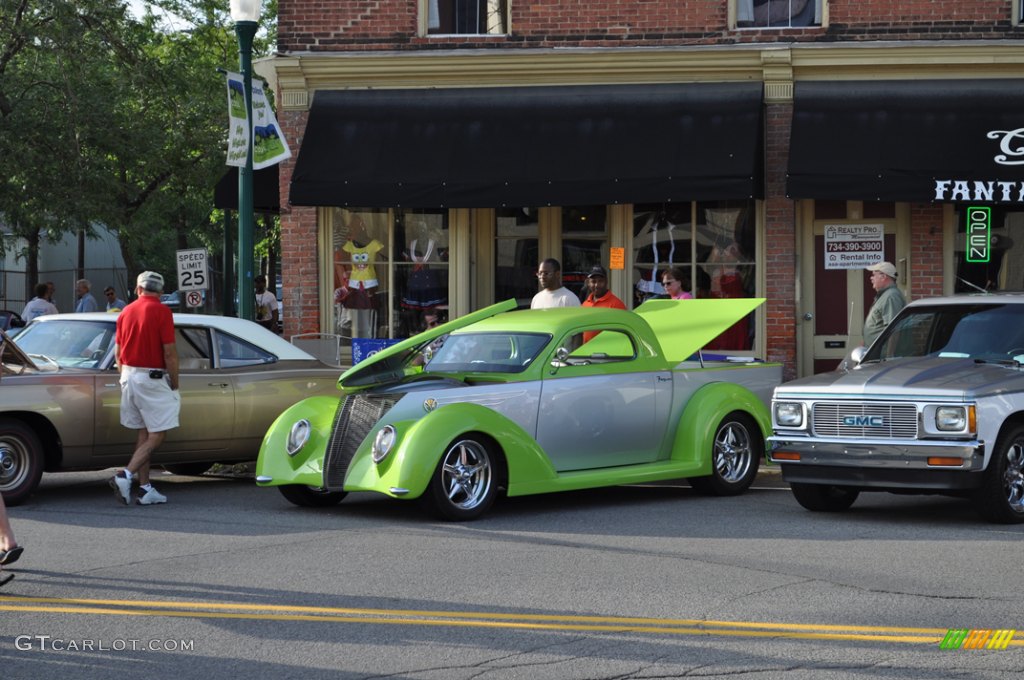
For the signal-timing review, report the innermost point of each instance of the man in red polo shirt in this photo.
(147, 356)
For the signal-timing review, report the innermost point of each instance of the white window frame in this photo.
(735, 8)
(424, 21)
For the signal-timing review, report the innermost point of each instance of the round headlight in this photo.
(383, 443)
(789, 414)
(298, 436)
(951, 418)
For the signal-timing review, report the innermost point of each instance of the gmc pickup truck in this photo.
(935, 405)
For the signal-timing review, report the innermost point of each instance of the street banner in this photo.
(269, 145)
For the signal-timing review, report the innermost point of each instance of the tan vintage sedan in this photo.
(60, 398)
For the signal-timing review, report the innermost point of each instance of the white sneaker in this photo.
(122, 487)
(151, 497)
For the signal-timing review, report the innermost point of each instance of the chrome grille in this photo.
(356, 417)
(897, 421)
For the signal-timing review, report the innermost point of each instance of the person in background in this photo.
(39, 305)
(86, 302)
(672, 280)
(598, 293)
(114, 303)
(10, 551)
(50, 291)
(431, 320)
(146, 355)
(266, 304)
(888, 300)
(552, 293)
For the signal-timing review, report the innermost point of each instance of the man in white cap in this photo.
(888, 300)
(147, 357)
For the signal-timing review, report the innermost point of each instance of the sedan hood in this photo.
(912, 377)
(388, 365)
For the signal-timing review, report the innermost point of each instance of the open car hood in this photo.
(388, 365)
(10, 353)
(684, 326)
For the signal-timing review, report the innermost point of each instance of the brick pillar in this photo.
(925, 250)
(299, 252)
(780, 242)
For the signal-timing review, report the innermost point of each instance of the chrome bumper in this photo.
(888, 453)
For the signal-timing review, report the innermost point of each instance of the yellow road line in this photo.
(547, 622)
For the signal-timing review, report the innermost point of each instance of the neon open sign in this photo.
(979, 234)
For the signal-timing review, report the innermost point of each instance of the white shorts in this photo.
(147, 402)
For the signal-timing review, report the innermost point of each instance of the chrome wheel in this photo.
(21, 461)
(735, 457)
(1013, 477)
(465, 482)
(466, 474)
(733, 452)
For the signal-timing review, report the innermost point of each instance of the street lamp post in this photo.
(246, 15)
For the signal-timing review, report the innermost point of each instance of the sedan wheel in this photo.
(1001, 496)
(464, 485)
(735, 457)
(21, 461)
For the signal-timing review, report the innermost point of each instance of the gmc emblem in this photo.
(863, 421)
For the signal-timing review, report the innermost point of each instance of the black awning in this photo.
(531, 146)
(266, 190)
(908, 141)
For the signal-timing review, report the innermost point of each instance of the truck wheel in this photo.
(735, 457)
(1001, 496)
(311, 497)
(21, 461)
(465, 483)
(824, 497)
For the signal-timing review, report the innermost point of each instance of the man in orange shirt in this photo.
(147, 356)
(599, 295)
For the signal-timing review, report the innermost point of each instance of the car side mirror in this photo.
(857, 355)
(561, 359)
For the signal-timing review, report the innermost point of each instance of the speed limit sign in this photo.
(192, 272)
(194, 298)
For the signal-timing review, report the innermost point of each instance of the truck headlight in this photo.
(298, 436)
(789, 414)
(383, 443)
(951, 418)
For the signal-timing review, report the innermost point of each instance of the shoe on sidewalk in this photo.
(151, 497)
(122, 487)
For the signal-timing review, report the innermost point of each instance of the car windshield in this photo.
(74, 344)
(986, 331)
(486, 352)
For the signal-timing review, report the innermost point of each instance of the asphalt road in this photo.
(228, 580)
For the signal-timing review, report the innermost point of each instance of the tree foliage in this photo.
(108, 118)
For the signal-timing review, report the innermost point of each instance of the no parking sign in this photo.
(194, 298)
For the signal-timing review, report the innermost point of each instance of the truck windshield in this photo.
(487, 352)
(989, 331)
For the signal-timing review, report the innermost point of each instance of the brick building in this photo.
(445, 146)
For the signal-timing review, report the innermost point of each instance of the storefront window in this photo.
(584, 244)
(516, 254)
(1004, 268)
(389, 268)
(711, 249)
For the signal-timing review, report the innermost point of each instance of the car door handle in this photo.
(218, 384)
(111, 384)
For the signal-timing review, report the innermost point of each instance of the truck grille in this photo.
(865, 420)
(356, 417)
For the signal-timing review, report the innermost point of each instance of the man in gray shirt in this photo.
(888, 300)
(39, 305)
